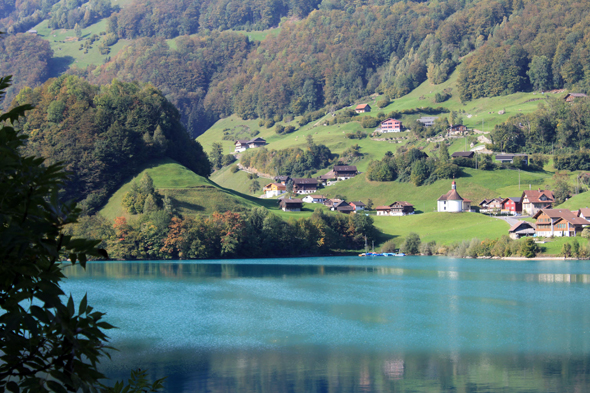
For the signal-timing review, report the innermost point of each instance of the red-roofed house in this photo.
(558, 222)
(512, 206)
(362, 108)
(535, 200)
(391, 125)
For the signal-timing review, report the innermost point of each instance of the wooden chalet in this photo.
(344, 172)
(331, 202)
(400, 208)
(243, 145)
(558, 223)
(493, 205)
(291, 205)
(521, 229)
(328, 178)
(390, 125)
(342, 207)
(535, 200)
(305, 186)
(362, 108)
(282, 179)
(571, 97)
(274, 189)
(512, 205)
(463, 154)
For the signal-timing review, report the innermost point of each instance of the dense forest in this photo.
(27, 59)
(104, 134)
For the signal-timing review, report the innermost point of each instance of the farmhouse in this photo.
(291, 205)
(342, 207)
(520, 229)
(344, 172)
(362, 108)
(314, 199)
(558, 223)
(535, 200)
(358, 205)
(452, 202)
(572, 96)
(274, 189)
(463, 154)
(331, 202)
(493, 205)
(391, 125)
(282, 179)
(512, 205)
(584, 213)
(243, 145)
(328, 178)
(305, 186)
(400, 208)
(511, 157)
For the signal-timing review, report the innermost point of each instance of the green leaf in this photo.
(71, 309)
(83, 304)
(12, 387)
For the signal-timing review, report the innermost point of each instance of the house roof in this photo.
(520, 224)
(279, 186)
(583, 211)
(362, 106)
(452, 195)
(329, 175)
(317, 196)
(452, 127)
(390, 119)
(576, 95)
(514, 199)
(344, 168)
(346, 208)
(240, 141)
(358, 203)
(565, 214)
(305, 181)
(509, 156)
(291, 201)
(466, 154)
(383, 208)
(534, 195)
(257, 140)
(340, 203)
(401, 203)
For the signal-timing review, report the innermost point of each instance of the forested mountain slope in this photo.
(104, 134)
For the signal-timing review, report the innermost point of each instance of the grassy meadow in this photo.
(66, 47)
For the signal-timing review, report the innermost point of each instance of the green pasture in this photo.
(259, 35)
(444, 228)
(66, 47)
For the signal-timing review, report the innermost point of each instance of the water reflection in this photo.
(404, 325)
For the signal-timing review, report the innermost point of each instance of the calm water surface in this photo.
(347, 324)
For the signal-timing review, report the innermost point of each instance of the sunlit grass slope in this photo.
(66, 52)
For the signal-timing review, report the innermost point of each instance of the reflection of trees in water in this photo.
(323, 370)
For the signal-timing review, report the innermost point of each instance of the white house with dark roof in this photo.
(451, 202)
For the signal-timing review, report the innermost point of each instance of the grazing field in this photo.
(66, 47)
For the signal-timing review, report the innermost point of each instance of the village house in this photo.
(584, 213)
(493, 205)
(342, 207)
(520, 229)
(535, 200)
(451, 202)
(331, 202)
(428, 121)
(362, 108)
(305, 186)
(390, 125)
(344, 172)
(358, 205)
(509, 158)
(314, 199)
(463, 154)
(558, 223)
(274, 189)
(457, 129)
(512, 205)
(399, 208)
(328, 179)
(282, 179)
(243, 145)
(571, 97)
(291, 205)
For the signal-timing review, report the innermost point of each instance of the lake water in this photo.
(347, 324)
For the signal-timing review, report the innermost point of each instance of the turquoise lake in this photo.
(346, 324)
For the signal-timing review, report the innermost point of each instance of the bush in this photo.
(269, 123)
(369, 122)
(411, 244)
(441, 97)
(234, 169)
(389, 246)
(382, 103)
